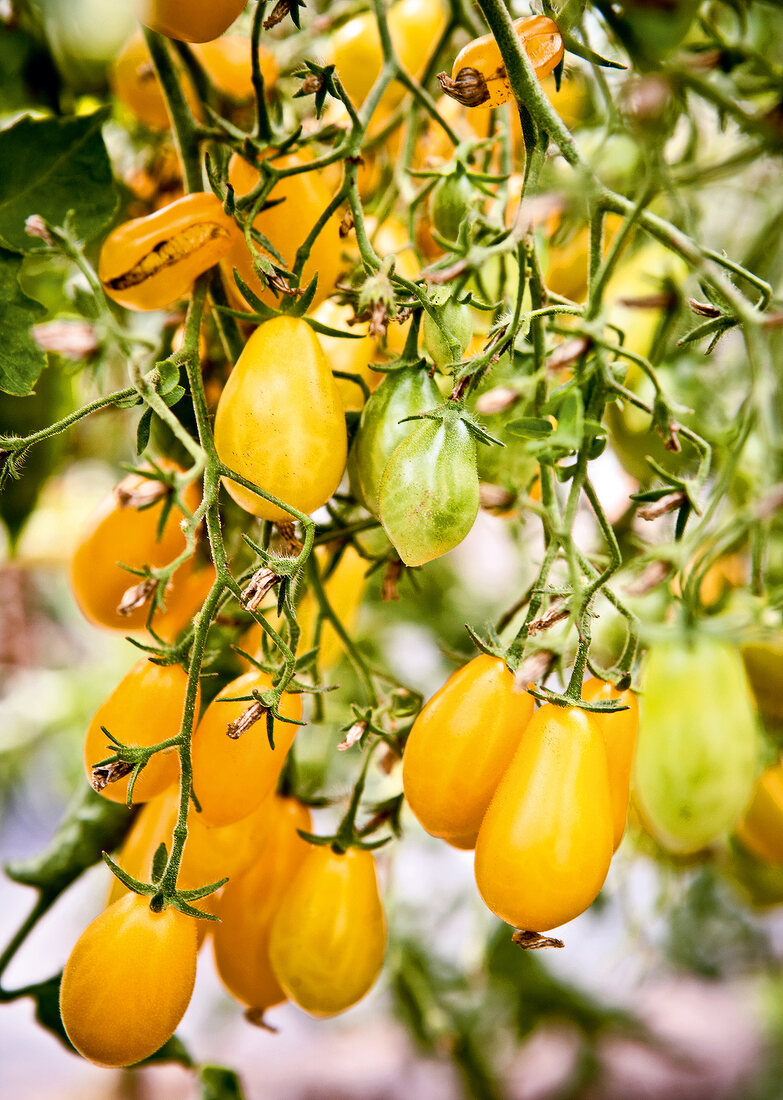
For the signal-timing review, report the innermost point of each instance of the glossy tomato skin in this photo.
(280, 421)
(300, 200)
(248, 906)
(355, 47)
(233, 776)
(479, 77)
(128, 981)
(460, 746)
(450, 204)
(698, 752)
(429, 496)
(211, 852)
(145, 708)
(545, 844)
(190, 20)
(130, 535)
(328, 938)
(150, 263)
(619, 732)
(401, 394)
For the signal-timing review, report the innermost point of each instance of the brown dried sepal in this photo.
(136, 596)
(104, 774)
(288, 536)
(469, 87)
(136, 492)
(534, 941)
(670, 503)
(248, 718)
(346, 224)
(554, 615)
(262, 582)
(391, 576)
(255, 1016)
(311, 84)
(353, 736)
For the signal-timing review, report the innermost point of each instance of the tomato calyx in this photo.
(160, 896)
(125, 760)
(534, 941)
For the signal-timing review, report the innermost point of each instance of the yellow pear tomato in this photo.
(328, 937)
(280, 421)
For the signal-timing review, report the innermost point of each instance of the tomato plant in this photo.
(323, 290)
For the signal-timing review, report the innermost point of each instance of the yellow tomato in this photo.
(328, 937)
(249, 904)
(151, 262)
(619, 732)
(134, 82)
(460, 746)
(355, 47)
(128, 981)
(639, 276)
(227, 63)
(190, 20)
(122, 532)
(280, 421)
(233, 775)
(144, 709)
(545, 843)
(761, 829)
(479, 77)
(300, 200)
(350, 356)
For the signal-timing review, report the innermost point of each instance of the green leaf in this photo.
(91, 825)
(52, 166)
(143, 431)
(219, 1083)
(21, 360)
(530, 427)
(174, 1050)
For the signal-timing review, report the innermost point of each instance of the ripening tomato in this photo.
(249, 904)
(460, 746)
(128, 981)
(698, 752)
(402, 393)
(458, 318)
(761, 829)
(233, 775)
(355, 47)
(211, 852)
(328, 937)
(280, 421)
(190, 20)
(479, 77)
(763, 662)
(126, 529)
(545, 844)
(619, 732)
(299, 200)
(151, 262)
(352, 356)
(145, 708)
(429, 496)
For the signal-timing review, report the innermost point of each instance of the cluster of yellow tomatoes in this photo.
(541, 794)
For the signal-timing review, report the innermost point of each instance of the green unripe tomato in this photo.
(698, 752)
(458, 319)
(429, 496)
(450, 204)
(402, 393)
